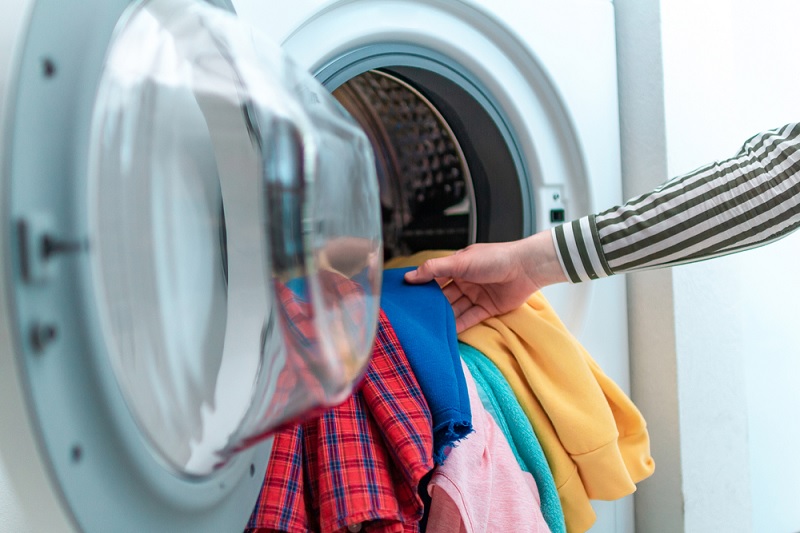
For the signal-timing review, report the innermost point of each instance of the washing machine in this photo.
(171, 183)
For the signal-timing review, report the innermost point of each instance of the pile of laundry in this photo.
(508, 426)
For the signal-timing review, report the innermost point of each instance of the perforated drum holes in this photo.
(422, 171)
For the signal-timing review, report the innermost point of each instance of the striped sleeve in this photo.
(728, 206)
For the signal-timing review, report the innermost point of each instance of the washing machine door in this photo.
(191, 258)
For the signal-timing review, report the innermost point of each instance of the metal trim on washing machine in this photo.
(513, 197)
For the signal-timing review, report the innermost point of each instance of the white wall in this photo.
(725, 403)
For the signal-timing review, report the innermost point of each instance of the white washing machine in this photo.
(480, 121)
(529, 92)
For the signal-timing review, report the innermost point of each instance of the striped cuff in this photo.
(580, 251)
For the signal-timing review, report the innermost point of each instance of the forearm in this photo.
(538, 257)
(733, 205)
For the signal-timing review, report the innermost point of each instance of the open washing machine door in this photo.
(191, 257)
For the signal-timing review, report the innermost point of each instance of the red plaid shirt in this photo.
(300, 386)
(358, 463)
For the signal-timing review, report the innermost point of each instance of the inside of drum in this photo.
(426, 190)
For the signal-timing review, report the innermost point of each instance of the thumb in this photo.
(429, 270)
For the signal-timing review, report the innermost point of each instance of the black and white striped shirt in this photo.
(728, 206)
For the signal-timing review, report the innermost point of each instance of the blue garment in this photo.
(424, 323)
(518, 430)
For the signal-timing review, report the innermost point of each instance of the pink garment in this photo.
(480, 487)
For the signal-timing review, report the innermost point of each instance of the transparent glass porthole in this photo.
(236, 233)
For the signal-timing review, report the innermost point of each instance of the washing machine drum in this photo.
(199, 253)
(426, 187)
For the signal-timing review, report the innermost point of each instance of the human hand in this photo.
(486, 280)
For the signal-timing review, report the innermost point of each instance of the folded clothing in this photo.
(424, 323)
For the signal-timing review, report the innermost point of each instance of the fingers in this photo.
(472, 316)
(466, 312)
(461, 306)
(443, 270)
(452, 292)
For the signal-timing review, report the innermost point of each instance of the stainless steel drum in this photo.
(427, 197)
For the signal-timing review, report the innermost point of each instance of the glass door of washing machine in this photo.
(191, 256)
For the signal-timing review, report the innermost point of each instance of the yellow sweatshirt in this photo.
(594, 438)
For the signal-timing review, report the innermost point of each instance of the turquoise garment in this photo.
(504, 407)
(490, 404)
